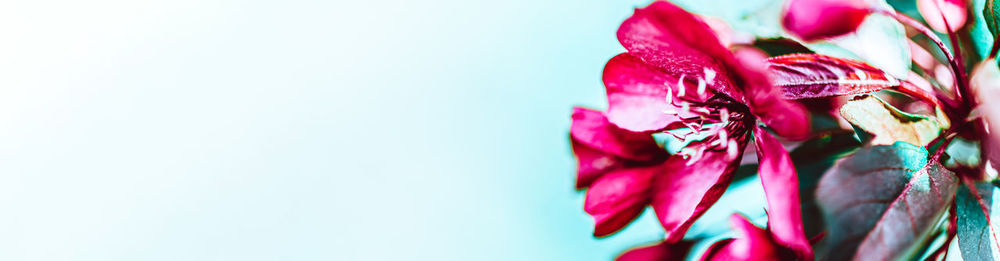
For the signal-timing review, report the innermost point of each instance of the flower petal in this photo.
(592, 128)
(787, 118)
(935, 12)
(755, 244)
(817, 19)
(781, 186)
(661, 251)
(675, 41)
(986, 86)
(618, 197)
(637, 95)
(592, 164)
(689, 186)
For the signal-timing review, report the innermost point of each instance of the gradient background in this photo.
(299, 130)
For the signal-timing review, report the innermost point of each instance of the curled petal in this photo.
(678, 43)
(690, 185)
(781, 186)
(936, 12)
(639, 95)
(754, 244)
(787, 118)
(592, 129)
(818, 19)
(618, 197)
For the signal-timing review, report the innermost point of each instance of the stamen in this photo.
(694, 158)
(710, 76)
(680, 87)
(724, 116)
(732, 150)
(701, 87)
(670, 94)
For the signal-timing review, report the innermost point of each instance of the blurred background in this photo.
(300, 130)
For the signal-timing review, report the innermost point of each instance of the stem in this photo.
(957, 69)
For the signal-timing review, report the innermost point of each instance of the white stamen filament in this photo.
(701, 87)
(710, 76)
(732, 150)
(724, 116)
(680, 87)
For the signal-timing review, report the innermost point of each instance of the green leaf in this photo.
(977, 237)
(882, 201)
(888, 124)
(880, 41)
(980, 31)
(990, 12)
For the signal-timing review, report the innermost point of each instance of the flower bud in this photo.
(817, 19)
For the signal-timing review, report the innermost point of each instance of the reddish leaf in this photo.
(882, 200)
(911, 215)
(804, 76)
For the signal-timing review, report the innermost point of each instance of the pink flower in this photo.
(817, 19)
(936, 12)
(677, 77)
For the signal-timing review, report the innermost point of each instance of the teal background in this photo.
(299, 130)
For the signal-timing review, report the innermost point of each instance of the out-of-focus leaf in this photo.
(991, 10)
(911, 216)
(813, 158)
(979, 31)
(780, 46)
(977, 222)
(963, 153)
(804, 76)
(879, 41)
(881, 201)
(889, 124)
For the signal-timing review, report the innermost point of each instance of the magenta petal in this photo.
(754, 244)
(781, 186)
(637, 95)
(690, 186)
(787, 118)
(661, 251)
(618, 197)
(591, 128)
(669, 38)
(817, 19)
(592, 164)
